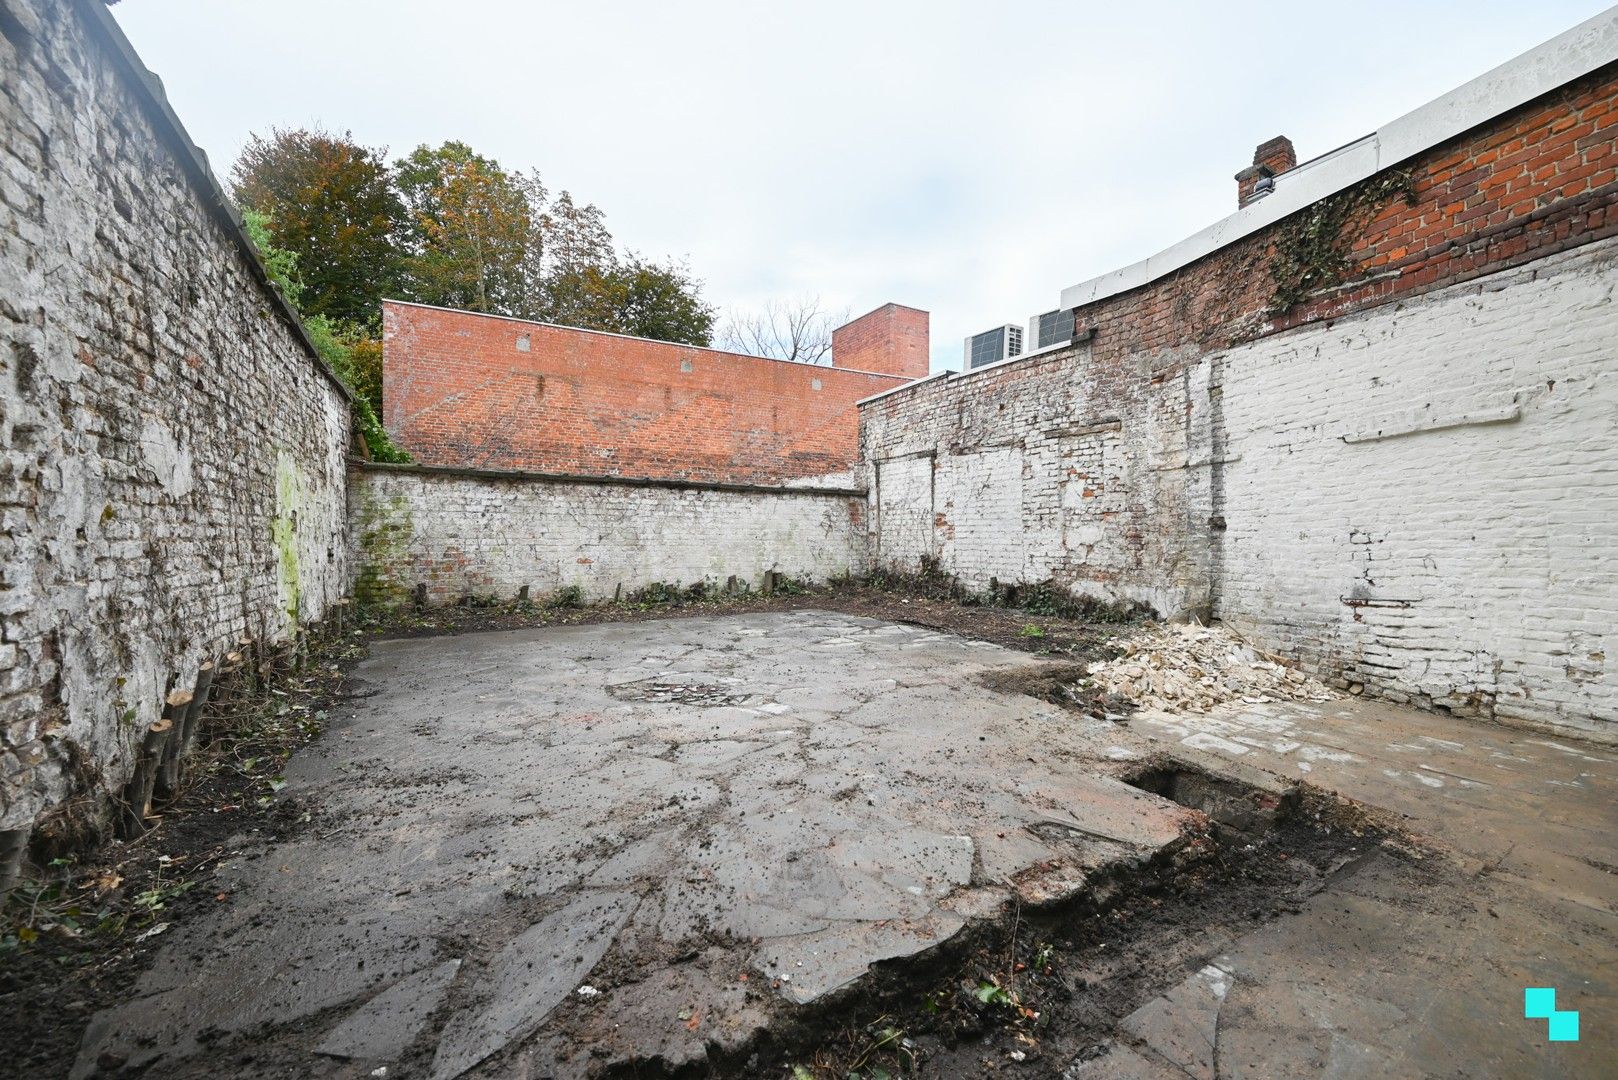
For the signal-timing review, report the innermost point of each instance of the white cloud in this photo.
(966, 158)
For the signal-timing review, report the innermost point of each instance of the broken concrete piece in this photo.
(811, 966)
(382, 1028)
(539, 968)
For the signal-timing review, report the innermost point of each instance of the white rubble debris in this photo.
(1191, 668)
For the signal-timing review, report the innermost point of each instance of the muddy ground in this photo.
(78, 934)
(1027, 999)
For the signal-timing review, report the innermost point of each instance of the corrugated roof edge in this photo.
(150, 87)
(1557, 62)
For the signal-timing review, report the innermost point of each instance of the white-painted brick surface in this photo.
(1421, 498)
(1047, 470)
(1426, 494)
(467, 535)
(171, 455)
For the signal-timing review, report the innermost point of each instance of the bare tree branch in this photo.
(797, 330)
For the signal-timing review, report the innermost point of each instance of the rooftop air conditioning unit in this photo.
(1052, 328)
(992, 346)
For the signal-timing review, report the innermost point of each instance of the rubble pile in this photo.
(1189, 668)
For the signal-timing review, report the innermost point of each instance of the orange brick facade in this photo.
(481, 391)
(893, 338)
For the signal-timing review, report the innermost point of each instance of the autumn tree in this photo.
(798, 330)
(330, 202)
(472, 233)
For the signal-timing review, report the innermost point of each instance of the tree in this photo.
(574, 237)
(797, 330)
(329, 202)
(662, 301)
(346, 347)
(472, 236)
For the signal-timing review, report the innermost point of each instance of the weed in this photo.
(658, 592)
(567, 597)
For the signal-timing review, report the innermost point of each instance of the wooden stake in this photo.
(193, 712)
(174, 710)
(138, 792)
(13, 842)
(245, 646)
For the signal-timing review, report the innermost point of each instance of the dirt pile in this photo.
(1191, 668)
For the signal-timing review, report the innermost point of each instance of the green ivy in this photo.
(1314, 248)
(333, 339)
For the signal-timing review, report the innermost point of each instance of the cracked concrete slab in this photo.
(381, 1028)
(741, 812)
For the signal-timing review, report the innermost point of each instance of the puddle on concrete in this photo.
(676, 690)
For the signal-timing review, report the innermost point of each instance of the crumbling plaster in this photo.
(171, 451)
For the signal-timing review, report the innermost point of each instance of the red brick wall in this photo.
(893, 339)
(1536, 181)
(458, 391)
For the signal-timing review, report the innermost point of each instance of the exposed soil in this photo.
(77, 936)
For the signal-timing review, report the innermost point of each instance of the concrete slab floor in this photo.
(1372, 978)
(743, 812)
(539, 852)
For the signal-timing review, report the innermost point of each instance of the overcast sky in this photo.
(971, 159)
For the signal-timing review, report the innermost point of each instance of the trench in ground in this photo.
(1051, 983)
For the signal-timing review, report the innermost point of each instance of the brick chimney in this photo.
(1270, 160)
(891, 340)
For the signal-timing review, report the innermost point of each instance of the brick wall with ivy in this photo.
(1277, 433)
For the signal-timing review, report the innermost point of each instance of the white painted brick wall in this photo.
(472, 535)
(1051, 470)
(1471, 564)
(980, 493)
(171, 456)
(903, 529)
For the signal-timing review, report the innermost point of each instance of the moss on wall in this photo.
(289, 500)
(383, 527)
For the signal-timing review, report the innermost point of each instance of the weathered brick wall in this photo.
(479, 391)
(1064, 467)
(469, 534)
(1424, 500)
(171, 453)
(1128, 484)
(893, 339)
